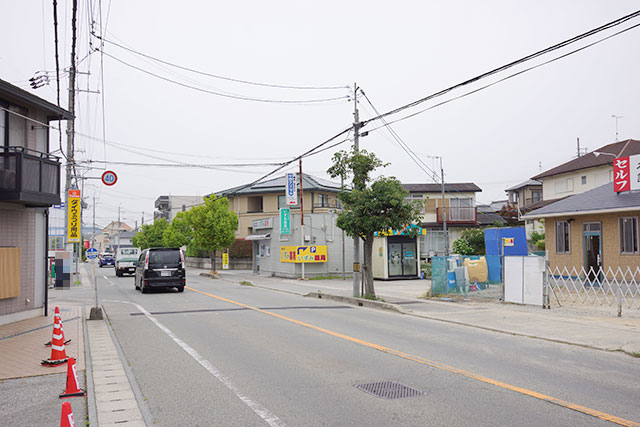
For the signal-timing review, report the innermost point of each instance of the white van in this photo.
(125, 259)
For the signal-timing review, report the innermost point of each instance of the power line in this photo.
(200, 156)
(185, 165)
(494, 71)
(219, 76)
(496, 82)
(225, 95)
(305, 154)
(516, 62)
(412, 155)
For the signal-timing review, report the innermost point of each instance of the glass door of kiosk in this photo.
(402, 257)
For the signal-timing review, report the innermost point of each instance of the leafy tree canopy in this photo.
(371, 205)
(213, 224)
(151, 235)
(179, 233)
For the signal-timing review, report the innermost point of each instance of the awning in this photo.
(258, 237)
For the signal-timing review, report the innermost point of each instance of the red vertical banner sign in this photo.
(621, 174)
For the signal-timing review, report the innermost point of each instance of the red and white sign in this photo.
(626, 173)
(109, 178)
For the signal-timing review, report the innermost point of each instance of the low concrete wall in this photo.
(234, 263)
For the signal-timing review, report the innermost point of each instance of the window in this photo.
(629, 235)
(323, 201)
(254, 204)
(584, 180)
(564, 185)
(3, 120)
(535, 197)
(592, 227)
(420, 197)
(461, 210)
(514, 197)
(17, 128)
(282, 203)
(563, 235)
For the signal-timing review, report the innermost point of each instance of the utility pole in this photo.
(343, 257)
(301, 216)
(617, 118)
(93, 239)
(356, 240)
(71, 122)
(444, 213)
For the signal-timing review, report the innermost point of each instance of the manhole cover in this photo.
(390, 390)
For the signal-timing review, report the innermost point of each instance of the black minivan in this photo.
(160, 268)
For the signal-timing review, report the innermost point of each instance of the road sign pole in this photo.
(96, 312)
(95, 281)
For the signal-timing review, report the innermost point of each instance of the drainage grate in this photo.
(390, 390)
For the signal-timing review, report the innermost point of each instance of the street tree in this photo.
(372, 205)
(151, 235)
(179, 233)
(213, 225)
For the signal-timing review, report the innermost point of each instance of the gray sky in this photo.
(396, 52)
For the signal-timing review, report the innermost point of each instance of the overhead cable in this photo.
(516, 62)
(182, 165)
(412, 155)
(225, 95)
(203, 73)
(493, 83)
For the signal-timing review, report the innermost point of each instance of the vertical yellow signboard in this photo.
(225, 261)
(74, 208)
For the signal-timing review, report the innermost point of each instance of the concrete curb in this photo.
(92, 411)
(135, 388)
(388, 306)
(360, 302)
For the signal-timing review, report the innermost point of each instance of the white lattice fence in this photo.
(605, 287)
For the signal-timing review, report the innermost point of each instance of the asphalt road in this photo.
(225, 354)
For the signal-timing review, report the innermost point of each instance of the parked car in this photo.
(105, 258)
(160, 268)
(125, 260)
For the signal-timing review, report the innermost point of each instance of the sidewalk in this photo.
(30, 391)
(593, 327)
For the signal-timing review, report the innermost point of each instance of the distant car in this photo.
(105, 259)
(125, 260)
(160, 268)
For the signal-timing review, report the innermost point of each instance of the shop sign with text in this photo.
(73, 227)
(626, 173)
(303, 253)
(285, 221)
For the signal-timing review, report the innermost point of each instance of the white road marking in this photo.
(108, 280)
(260, 410)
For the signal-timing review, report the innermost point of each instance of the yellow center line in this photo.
(437, 365)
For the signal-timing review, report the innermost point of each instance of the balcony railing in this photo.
(29, 177)
(461, 215)
(330, 204)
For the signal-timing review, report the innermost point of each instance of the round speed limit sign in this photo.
(109, 178)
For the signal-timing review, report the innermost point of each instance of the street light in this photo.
(600, 153)
(444, 208)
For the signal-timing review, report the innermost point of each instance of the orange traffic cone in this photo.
(73, 388)
(57, 314)
(66, 418)
(58, 355)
